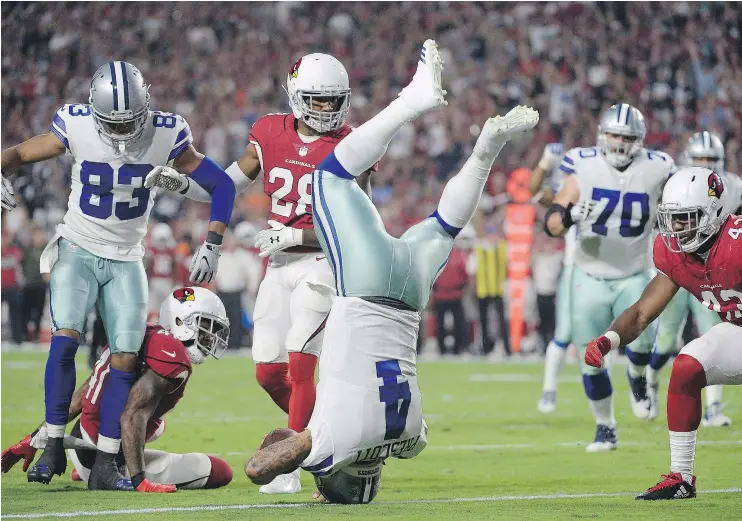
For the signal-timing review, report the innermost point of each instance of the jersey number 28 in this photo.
(96, 199)
(303, 188)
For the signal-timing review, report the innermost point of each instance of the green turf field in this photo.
(491, 455)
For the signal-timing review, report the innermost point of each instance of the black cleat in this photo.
(671, 487)
(105, 474)
(52, 461)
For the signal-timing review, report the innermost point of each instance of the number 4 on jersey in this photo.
(734, 233)
(391, 393)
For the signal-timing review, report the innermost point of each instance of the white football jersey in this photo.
(108, 206)
(368, 404)
(613, 241)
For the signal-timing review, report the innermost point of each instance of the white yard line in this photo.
(218, 508)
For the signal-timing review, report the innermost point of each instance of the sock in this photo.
(637, 362)
(59, 383)
(555, 355)
(303, 390)
(362, 148)
(714, 394)
(599, 391)
(463, 191)
(683, 453)
(274, 378)
(684, 394)
(113, 401)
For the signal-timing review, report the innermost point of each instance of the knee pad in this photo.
(688, 376)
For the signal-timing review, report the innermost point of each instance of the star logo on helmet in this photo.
(294, 72)
(303, 151)
(183, 295)
(716, 185)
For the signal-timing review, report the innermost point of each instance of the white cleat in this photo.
(425, 91)
(606, 439)
(502, 129)
(283, 484)
(547, 403)
(713, 417)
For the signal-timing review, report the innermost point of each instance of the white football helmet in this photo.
(162, 236)
(706, 150)
(319, 77)
(692, 208)
(621, 134)
(196, 317)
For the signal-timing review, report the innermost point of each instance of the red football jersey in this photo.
(161, 262)
(162, 353)
(288, 164)
(717, 283)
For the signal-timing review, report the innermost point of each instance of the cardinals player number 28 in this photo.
(280, 183)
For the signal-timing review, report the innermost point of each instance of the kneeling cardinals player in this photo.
(193, 325)
(699, 248)
(290, 312)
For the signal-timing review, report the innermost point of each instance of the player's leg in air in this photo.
(713, 359)
(77, 279)
(556, 351)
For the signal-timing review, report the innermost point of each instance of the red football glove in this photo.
(147, 486)
(596, 350)
(20, 451)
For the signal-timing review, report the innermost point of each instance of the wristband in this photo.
(137, 479)
(564, 213)
(214, 238)
(614, 338)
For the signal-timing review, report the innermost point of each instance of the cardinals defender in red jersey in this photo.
(294, 299)
(699, 248)
(193, 325)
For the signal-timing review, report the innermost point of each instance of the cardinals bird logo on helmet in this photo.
(716, 186)
(294, 72)
(184, 294)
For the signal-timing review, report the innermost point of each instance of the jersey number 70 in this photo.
(626, 229)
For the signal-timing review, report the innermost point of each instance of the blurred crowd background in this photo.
(223, 65)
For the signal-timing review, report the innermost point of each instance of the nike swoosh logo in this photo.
(322, 257)
(168, 353)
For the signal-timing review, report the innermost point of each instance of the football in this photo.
(276, 436)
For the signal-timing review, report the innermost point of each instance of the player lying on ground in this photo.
(96, 254)
(289, 315)
(193, 325)
(368, 401)
(698, 249)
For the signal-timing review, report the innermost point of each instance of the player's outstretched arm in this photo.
(38, 148)
(278, 458)
(558, 218)
(632, 322)
(551, 153)
(144, 398)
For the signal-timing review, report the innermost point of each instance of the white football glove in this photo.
(166, 178)
(205, 262)
(8, 195)
(552, 151)
(278, 237)
(581, 210)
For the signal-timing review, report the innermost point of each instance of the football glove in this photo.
(596, 351)
(581, 210)
(8, 195)
(278, 237)
(20, 451)
(205, 262)
(552, 152)
(166, 178)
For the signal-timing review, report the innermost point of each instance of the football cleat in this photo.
(606, 438)
(713, 417)
(504, 128)
(672, 486)
(640, 402)
(547, 403)
(653, 394)
(283, 484)
(52, 461)
(425, 91)
(105, 474)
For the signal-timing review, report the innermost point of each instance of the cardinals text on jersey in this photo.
(717, 283)
(613, 241)
(108, 206)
